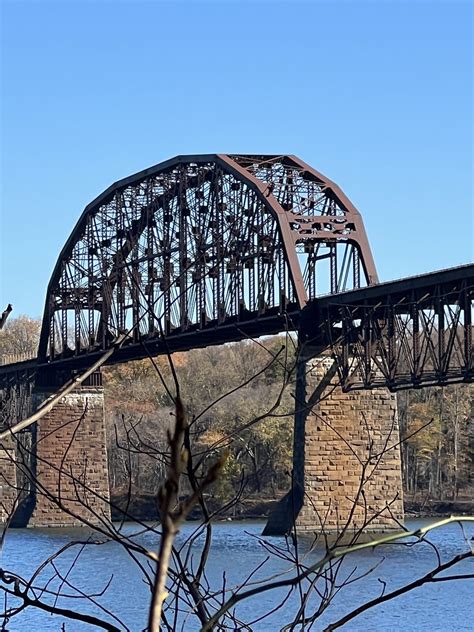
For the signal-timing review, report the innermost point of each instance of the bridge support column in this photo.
(346, 459)
(71, 483)
(8, 480)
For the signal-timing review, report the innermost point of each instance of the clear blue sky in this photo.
(376, 95)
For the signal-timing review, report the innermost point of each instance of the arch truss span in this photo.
(202, 249)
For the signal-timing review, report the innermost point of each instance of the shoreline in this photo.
(143, 506)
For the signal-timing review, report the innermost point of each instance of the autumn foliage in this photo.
(230, 393)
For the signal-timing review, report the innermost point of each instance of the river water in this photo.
(237, 549)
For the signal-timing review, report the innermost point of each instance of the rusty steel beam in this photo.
(403, 334)
(199, 247)
(207, 249)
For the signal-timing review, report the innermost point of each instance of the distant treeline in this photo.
(437, 424)
(236, 402)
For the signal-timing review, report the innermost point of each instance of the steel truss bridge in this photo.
(209, 249)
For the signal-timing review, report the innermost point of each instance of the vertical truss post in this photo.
(391, 340)
(345, 338)
(90, 293)
(183, 251)
(52, 334)
(356, 276)
(367, 328)
(135, 297)
(416, 341)
(442, 359)
(77, 324)
(63, 326)
(333, 266)
(151, 276)
(466, 301)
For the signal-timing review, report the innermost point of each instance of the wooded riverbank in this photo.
(144, 507)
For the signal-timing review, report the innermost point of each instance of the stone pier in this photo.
(55, 472)
(8, 480)
(346, 458)
(71, 461)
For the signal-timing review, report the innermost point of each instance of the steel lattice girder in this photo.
(202, 249)
(403, 334)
